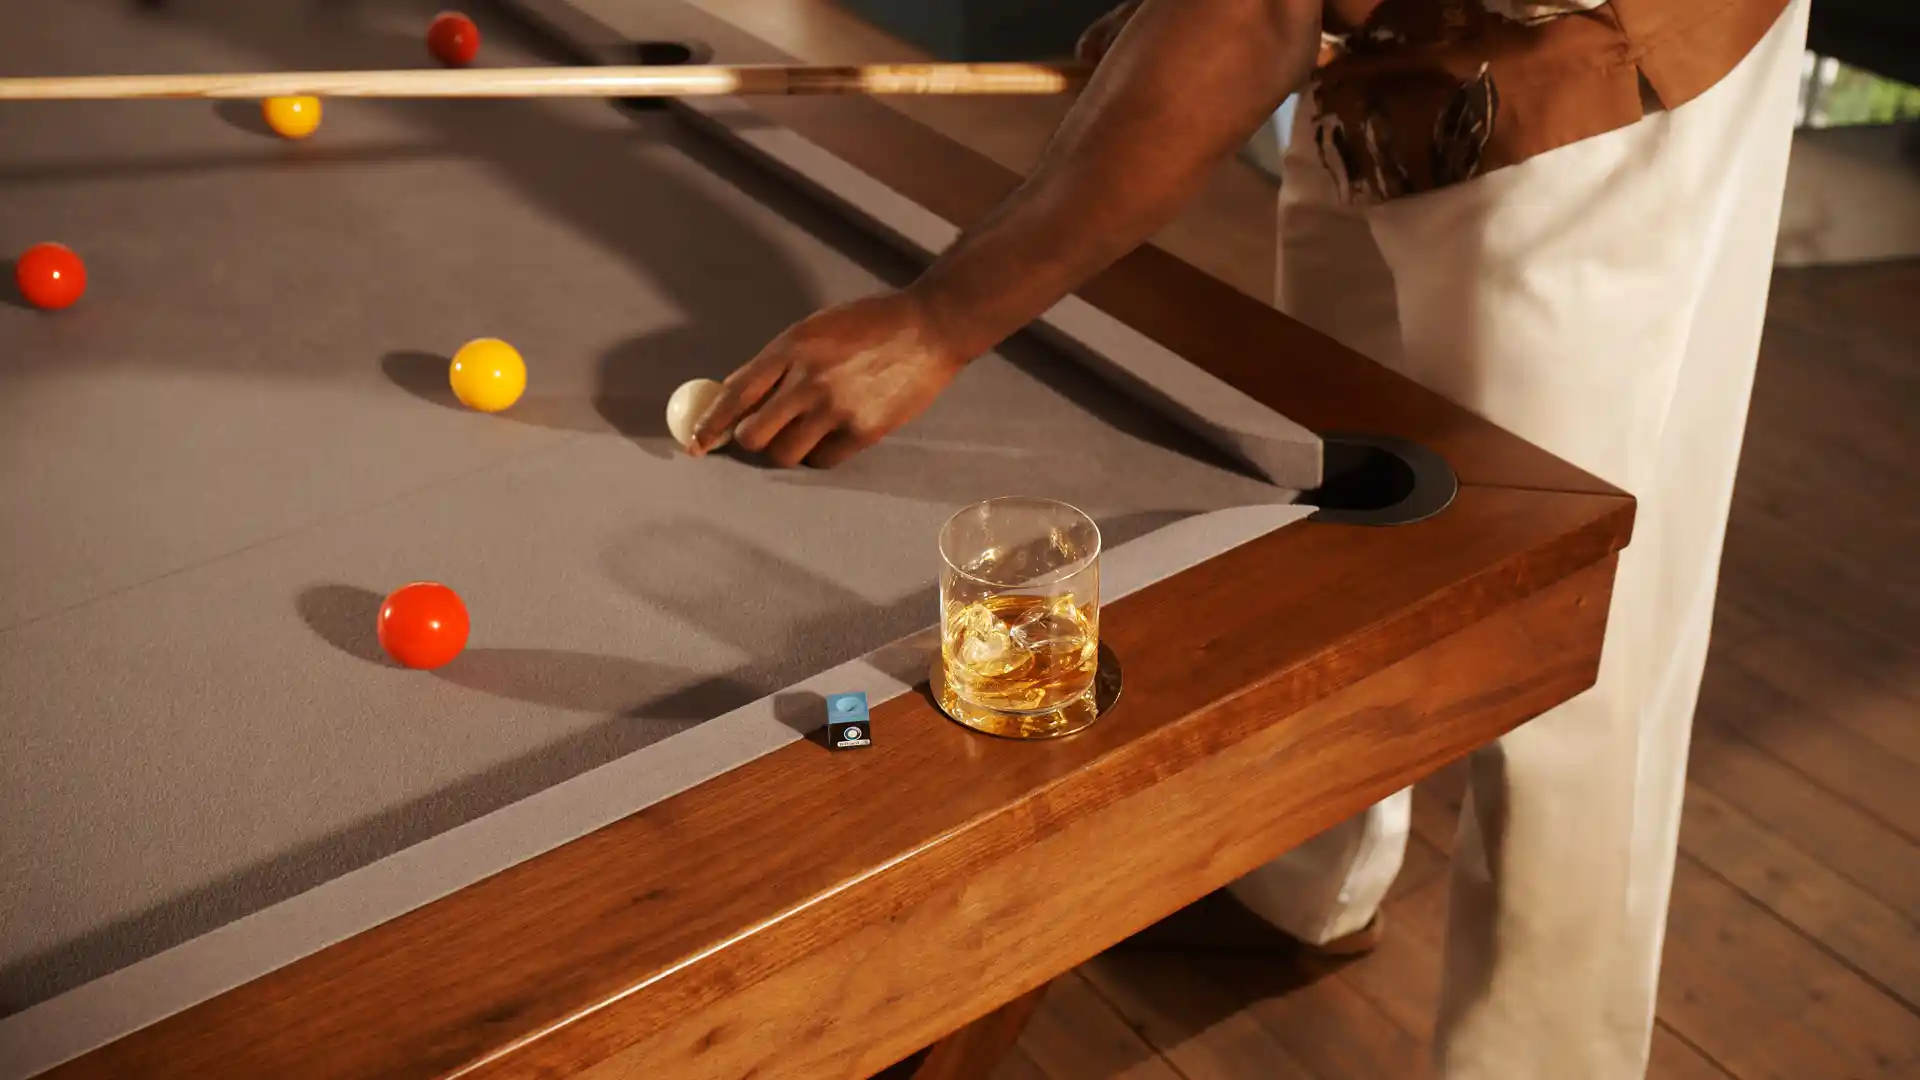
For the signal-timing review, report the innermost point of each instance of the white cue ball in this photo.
(687, 405)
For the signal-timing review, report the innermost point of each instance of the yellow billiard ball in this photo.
(292, 117)
(488, 375)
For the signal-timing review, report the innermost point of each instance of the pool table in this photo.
(607, 840)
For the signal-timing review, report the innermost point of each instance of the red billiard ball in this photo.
(50, 276)
(453, 39)
(423, 625)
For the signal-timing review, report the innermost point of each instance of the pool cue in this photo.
(625, 82)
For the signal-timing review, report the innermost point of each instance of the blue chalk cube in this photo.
(847, 726)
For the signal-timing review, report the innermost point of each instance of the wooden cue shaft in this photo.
(669, 81)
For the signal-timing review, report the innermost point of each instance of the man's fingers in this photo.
(758, 429)
(799, 437)
(741, 391)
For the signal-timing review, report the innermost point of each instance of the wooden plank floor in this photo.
(1794, 941)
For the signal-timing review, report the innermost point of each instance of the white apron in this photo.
(1604, 301)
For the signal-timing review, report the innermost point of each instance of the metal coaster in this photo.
(1065, 720)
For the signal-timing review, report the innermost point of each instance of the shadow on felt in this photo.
(244, 115)
(10, 287)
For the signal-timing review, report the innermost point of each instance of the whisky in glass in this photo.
(1020, 610)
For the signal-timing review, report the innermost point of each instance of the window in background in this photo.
(1833, 94)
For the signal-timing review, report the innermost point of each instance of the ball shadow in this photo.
(637, 377)
(588, 683)
(344, 616)
(10, 292)
(244, 115)
(424, 376)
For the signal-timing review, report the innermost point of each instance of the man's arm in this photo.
(1184, 85)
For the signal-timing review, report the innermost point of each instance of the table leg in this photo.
(973, 1052)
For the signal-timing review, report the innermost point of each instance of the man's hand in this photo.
(1176, 93)
(1099, 37)
(834, 384)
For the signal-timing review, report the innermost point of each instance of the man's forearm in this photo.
(1185, 85)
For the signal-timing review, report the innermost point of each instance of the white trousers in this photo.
(1604, 301)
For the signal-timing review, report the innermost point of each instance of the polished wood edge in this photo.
(1120, 765)
(567, 958)
(1045, 890)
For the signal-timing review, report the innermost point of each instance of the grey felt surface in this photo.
(212, 469)
(131, 997)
